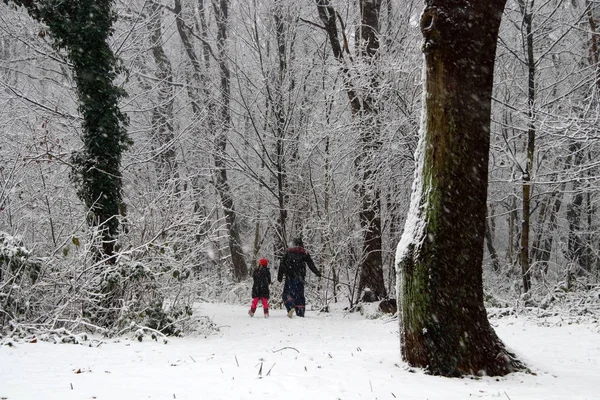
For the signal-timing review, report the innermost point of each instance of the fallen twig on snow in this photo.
(283, 348)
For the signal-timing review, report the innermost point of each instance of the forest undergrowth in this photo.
(153, 294)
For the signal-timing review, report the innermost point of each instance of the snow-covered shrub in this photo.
(150, 291)
(19, 270)
(15, 258)
(149, 286)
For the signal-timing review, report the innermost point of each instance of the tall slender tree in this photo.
(240, 270)
(365, 110)
(444, 325)
(526, 10)
(218, 118)
(162, 115)
(371, 271)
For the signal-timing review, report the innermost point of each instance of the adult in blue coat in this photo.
(293, 268)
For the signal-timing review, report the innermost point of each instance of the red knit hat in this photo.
(263, 261)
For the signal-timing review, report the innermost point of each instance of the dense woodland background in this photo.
(244, 134)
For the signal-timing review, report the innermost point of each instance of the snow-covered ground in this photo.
(323, 356)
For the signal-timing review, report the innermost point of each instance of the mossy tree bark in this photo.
(444, 325)
(82, 29)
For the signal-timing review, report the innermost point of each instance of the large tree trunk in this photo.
(444, 325)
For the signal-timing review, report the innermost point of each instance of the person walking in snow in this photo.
(260, 288)
(293, 268)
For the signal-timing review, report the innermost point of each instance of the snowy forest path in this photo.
(308, 352)
(324, 356)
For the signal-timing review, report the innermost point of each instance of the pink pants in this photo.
(265, 304)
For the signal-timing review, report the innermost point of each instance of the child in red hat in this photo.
(260, 289)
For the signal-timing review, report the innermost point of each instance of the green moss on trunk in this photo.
(445, 326)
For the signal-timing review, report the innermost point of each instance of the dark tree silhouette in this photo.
(81, 28)
(444, 325)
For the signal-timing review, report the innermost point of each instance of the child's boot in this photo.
(251, 312)
(266, 313)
